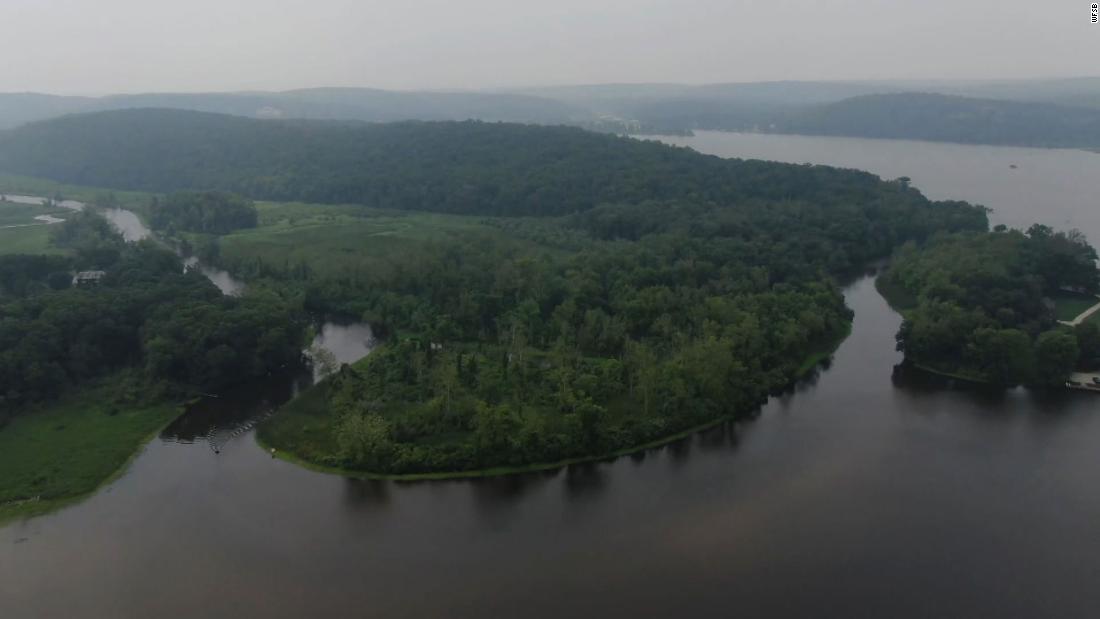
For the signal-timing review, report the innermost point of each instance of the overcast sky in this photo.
(102, 46)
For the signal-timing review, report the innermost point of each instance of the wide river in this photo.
(868, 492)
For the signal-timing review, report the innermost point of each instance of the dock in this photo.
(1084, 381)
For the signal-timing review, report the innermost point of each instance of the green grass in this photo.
(64, 452)
(29, 236)
(1068, 305)
(347, 240)
(12, 214)
(32, 240)
(303, 426)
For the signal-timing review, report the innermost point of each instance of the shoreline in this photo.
(1086, 149)
(24, 509)
(813, 360)
(502, 471)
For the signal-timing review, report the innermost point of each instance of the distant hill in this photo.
(455, 167)
(19, 108)
(365, 104)
(673, 108)
(1060, 113)
(945, 118)
(1021, 112)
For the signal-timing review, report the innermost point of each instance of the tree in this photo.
(1004, 355)
(1056, 354)
(496, 431)
(1088, 340)
(364, 440)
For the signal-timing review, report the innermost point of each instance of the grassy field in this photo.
(12, 214)
(32, 240)
(21, 234)
(1069, 306)
(341, 240)
(56, 455)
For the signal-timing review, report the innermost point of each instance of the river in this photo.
(867, 492)
(133, 229)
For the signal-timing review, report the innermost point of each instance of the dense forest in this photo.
(462, 168)
(207, 212)
(625, 324)
(983, 305)
(170, 332)
(576, 294)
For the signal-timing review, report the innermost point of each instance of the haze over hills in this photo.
(365, 104)
(1048, 113)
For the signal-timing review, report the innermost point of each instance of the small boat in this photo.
(1012, 166)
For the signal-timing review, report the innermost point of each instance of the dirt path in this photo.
(1082, 317)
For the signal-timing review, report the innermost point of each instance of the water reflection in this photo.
(339, 343)
(219, 418)
(864, 492)
(721, 437)
(366, 493)
(855, 483)
(585, 481)
(127, 223)
(226, 283)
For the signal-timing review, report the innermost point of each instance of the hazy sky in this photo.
(101, 46)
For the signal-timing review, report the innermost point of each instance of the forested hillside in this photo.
(365, 104)
(462, 168)
(943, 118)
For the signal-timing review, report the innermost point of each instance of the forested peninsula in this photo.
(544, 293)
(998, 307)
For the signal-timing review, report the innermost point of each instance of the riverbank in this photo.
(489, 472)
(64, 452)
(901, 301)
(283, 434)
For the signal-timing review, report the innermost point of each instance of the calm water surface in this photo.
(869, 492)
(133, 229)
(1053, 186)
